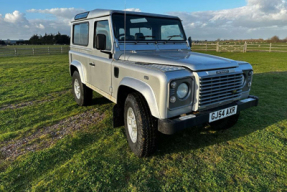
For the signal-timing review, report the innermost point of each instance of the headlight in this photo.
(182, 90)
(180, 93)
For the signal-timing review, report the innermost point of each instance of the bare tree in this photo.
(275, 39)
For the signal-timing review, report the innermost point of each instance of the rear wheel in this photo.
(140, 126)
(225, 123)
(82, 94)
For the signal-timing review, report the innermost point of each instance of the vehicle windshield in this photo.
(147, 28)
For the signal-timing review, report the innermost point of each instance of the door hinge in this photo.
(111, 89)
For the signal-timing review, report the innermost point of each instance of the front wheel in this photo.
(82, 94)
(140, 126)
(225, 123)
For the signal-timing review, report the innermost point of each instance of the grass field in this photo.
(48, 143)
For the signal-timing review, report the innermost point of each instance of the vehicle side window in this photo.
(81, 34)
(102, 27)
(168, 30)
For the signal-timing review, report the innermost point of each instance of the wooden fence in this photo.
(240, 47)
(8, 52)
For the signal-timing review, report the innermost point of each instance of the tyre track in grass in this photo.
(47, 136)
(50, 97)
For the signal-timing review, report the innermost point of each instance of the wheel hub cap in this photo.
(132, 125)
(77, 89)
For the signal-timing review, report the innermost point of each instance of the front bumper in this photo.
(171, 126)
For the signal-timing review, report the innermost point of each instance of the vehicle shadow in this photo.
(271, 90)
(99, 100)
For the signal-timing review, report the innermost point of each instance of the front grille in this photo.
(219, 89)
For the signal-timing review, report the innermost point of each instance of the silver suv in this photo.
(144, 64)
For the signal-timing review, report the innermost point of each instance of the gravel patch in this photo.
(12, 149)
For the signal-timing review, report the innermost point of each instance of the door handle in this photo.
(92, 64)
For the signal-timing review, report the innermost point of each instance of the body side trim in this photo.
(106, 95)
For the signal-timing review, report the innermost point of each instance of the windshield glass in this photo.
(147, 28)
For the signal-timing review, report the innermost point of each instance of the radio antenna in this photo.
(125, 28)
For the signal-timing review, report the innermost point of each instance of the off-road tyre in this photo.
(225, 123)
(86, 94)
(146, 142)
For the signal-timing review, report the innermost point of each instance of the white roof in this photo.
(104, 12)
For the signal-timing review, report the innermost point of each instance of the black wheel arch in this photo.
(73, 69)
(118, 110)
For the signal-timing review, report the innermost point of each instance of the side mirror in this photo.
(190, 41)
(101, 41)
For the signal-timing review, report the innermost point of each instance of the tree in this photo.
(275, 39)
(50, 39)
(2, 43)
(23, 42)
(34, 39)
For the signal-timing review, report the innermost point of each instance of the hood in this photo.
(193, 61)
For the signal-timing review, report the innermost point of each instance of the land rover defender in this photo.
(144, 64)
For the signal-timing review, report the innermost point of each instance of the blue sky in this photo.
(203, 20)
(155, 6)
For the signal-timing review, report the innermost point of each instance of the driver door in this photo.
(101, 61)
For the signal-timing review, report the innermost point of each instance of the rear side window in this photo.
(81, 34)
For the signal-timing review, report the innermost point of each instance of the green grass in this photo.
(251, 156)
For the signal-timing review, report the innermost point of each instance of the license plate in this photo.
(223, 113)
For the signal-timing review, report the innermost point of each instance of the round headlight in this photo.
(182, 90)
(243, 80)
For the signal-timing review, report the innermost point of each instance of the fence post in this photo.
(33, 50)
(245, 47)
(217, 46)
(48, 50)
(61, 50)
(15, 49)
(270, 49)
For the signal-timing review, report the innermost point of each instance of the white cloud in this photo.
(258, 19)
(133, 9)
(15, 17)
(66, 13)
(16, 26)
(40, 26)
(267, 5)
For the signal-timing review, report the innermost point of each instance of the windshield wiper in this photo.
(170, 37)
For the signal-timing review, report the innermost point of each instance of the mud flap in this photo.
(118, 116)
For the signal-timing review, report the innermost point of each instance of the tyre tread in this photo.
(148, 125)
(87, 93)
